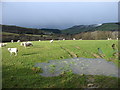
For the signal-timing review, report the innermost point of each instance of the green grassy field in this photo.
(18, 70)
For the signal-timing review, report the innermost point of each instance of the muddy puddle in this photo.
(78, 66)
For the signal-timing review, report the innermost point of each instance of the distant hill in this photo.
(24, 34)
(87, 28)
(73, 30)
(23, 30)
(85, 32)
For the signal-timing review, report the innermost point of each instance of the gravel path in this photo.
(79, 66)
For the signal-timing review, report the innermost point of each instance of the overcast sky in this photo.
(58, 15)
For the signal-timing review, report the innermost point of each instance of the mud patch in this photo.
(79, 66)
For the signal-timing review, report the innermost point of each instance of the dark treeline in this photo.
(96, 35)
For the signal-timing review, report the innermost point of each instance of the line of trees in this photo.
(97, 35)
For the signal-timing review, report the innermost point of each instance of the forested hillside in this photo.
(87, 28)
